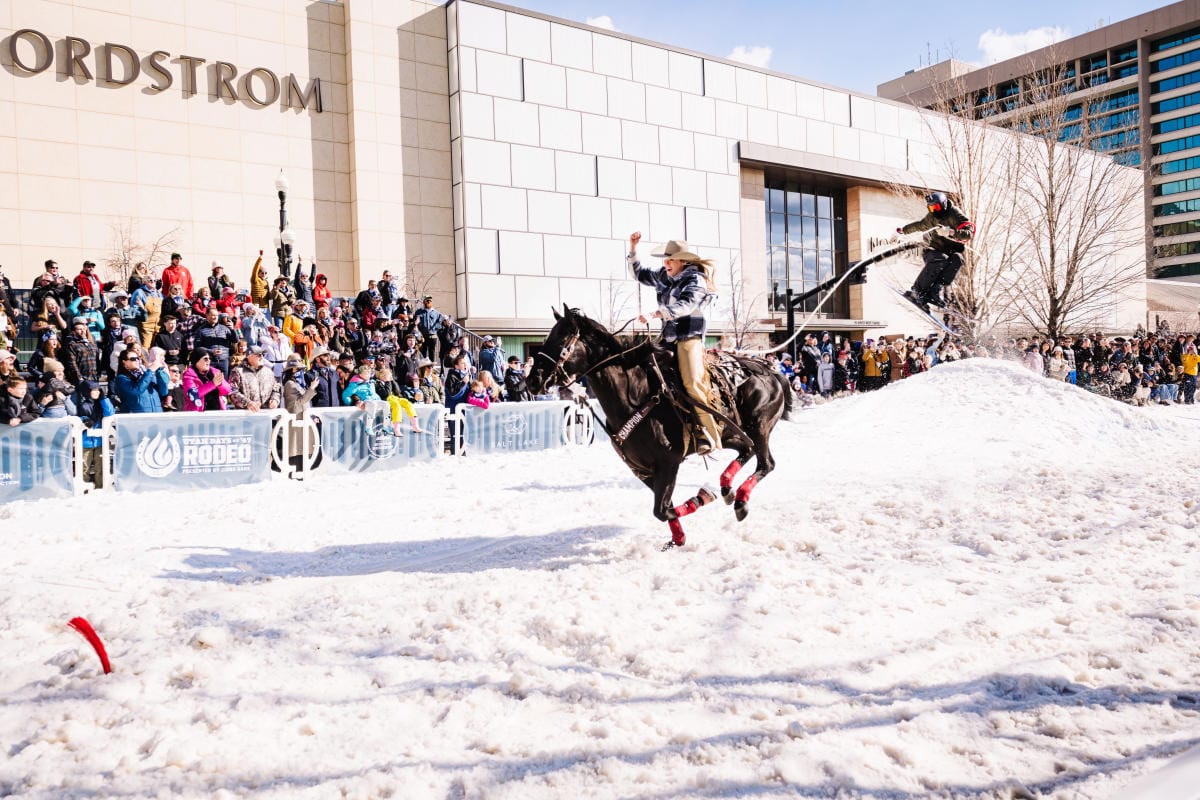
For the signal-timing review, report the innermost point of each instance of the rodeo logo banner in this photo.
(210, 450)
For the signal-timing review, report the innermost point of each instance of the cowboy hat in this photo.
(679, 249)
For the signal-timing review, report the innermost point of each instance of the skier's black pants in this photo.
(940, 270)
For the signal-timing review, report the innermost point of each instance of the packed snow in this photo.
(974, 583)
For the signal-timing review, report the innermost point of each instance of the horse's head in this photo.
(568, 351)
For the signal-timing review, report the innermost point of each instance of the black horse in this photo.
(650, 431)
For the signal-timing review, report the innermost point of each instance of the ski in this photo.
(920, 310)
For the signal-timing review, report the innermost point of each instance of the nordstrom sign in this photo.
(33, 52)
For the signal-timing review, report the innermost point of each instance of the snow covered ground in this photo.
(975, 583)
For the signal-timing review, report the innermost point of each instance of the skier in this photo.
(943, 256)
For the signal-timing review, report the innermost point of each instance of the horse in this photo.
(651, 432)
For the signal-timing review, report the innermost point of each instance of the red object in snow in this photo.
(84, 627)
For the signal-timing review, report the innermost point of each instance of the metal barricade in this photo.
(41, 459)
(362, 440)
(513, 427)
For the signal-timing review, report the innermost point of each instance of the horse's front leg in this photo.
(664, 489)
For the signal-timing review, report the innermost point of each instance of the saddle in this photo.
(725, 374)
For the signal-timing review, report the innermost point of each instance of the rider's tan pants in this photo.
(695, 382)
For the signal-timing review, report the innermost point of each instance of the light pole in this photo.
(285, 239)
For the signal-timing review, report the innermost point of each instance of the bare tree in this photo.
(615, 302)
(1078, 219)
(127, 249)
(740, 306)
(419, 277)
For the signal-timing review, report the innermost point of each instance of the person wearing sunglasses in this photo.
(139, 387)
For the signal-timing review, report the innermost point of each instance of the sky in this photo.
(855, 45)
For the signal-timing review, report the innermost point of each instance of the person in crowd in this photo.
(253, 383)
(80, 355)
(303, 282)
(323, 376)
(202, 300)
(170, 339)
(825, 375)
(218, 281)
(149, 300)
(237, 357)
(82, 307)
(321, 292)
(478, 395)
(298, 396)
(216, 339)
(92, 407)
(1057, 366)
(457, 382)
(52, 283)
(360, 389)
(189, 323)
(131, 316)
(451, 357)
(490, 387)
(49, 347)
(281, 300)
(18, 406)
(430, 324)
(227, 302)
(1189, 364)
(48, 318)
(129, 339)
(204, 387)
(87, 284)
(139, 276)
(140, 385)
(897, 358)
(429, 383)
(515, 388)
(276, 349)
(260, 283)
(175, 301)
(8, 366)
(464, 348)
(52, 390)
(810, 358)
(174, 399)
(372, 315)
(293, 322)
(177, 275)
(491, 357)
(403, 307)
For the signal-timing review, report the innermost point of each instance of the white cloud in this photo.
(602, 22)
(996, 45)
(755, 56)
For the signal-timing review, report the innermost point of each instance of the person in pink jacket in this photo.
(204, 388)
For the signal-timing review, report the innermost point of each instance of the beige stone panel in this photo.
(430, 50)
(44, 90)
(52, 19)
(342, 216)
(434, 164)
(98, 26)
(10, 230)
(203, 110)
(275, 56)
(148, 35)
(433, 106)
(491, 296)
(107, 130)
(107, 164)
(158, 169)
(8, 117)
(217, 15)
(434, 135)
(437, 220)
(341, 127)
(438, 249)
(325, 215)
(105, 98)
(387, 41)
(108, 198)
(96, 238)
(164, 203)
(44, 122)
(212, 46)
(43, 193)
(49, 229)
(34, 157)
(165, 137)
(169, 106)
(10, 196)
(267, 24)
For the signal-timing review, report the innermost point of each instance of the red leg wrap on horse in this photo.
(743, 492)
(728, 475)
(677, 537)
(687, 508)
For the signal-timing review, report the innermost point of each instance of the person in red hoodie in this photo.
(321, 293)
(177, 275)
(88, 285)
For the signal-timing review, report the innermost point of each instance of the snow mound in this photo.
(983, 412)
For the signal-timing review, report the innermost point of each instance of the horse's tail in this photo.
(787, 395)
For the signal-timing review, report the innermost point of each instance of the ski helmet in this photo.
(937, 202)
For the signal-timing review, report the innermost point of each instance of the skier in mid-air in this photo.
(943, 256)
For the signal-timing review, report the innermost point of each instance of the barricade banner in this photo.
(361, 440)
(36, 459)
(190, 450)
(516, 427)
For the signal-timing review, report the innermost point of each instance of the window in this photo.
(806, 238)
(1186, 79)
(1069, 132)
(1171, 62)
(1176, 40)
(1125, 72)
(1180, 165)
(1178, 207)
(1094, 63)
(1073, 113)
(1178, 249)
(1110, 123)
(1178, 270)
(1114, 102)
(1178, 228)
(1130, 158)
(1175, 145)
(1177, 124)
(1116, 141)
(1176, 187)
(1126, 52)
(1183, 101)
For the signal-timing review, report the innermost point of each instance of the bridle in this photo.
(558, 372)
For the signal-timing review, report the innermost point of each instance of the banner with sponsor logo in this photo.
(515, 427)
(36, 459)
(190, 450)
(362, 440)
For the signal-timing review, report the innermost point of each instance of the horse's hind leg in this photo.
(766, 463)
(744, 455)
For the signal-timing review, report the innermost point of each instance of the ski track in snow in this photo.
(975, 583)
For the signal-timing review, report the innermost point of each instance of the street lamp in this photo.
(285, 239)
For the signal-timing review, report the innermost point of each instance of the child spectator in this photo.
(395, 395)
(92, 407)
(53, 390)
(478, 395)
(18, 406)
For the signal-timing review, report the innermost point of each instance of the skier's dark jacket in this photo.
(949, 217)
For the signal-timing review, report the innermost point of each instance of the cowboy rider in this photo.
(684, 287)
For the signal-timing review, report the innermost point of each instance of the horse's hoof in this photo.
(727, 493)
(670, 545)
(740, 510)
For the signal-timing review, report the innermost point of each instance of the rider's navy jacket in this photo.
(680, 299)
